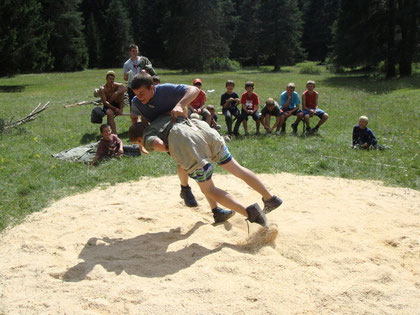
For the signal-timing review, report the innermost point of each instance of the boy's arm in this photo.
(159, 145)
(355, 137)
(189, 96)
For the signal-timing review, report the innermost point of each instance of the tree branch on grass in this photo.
(5, 125)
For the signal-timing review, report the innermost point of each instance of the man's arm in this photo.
(189, 96)
(159, 145)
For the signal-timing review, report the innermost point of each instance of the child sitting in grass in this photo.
(111, 146)
(363, 137)
(194, 145)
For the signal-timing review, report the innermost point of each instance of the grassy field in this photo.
(30, 178)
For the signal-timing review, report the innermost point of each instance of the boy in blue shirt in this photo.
(363, 137)
(289, 104)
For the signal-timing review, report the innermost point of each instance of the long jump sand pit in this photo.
(334, 246)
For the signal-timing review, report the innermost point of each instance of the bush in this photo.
(308, 68)
(221, 64)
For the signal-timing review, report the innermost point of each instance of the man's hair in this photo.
(141, 79)
(133, 46)
(230, 82)
(136, 130)
(210, 107)
(269, 101)
(156, 78)
(364, 118)
(103, 126)
(310, 82)
(291, 85)
(249, 83)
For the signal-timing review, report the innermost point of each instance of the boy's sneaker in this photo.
(314, 130)
(278, 133)
(221, 215)
(188, 196)
(294, 127)
(247, 133)
(257, 133)
(255, 214)
(283, 128)
(271, 204)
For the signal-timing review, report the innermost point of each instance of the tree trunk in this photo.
(391, 58)
(408, 35)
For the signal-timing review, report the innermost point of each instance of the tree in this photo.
(281, 31)
(67, 43)
(194, 31)
(23, 43)
(319, 16)
(118, 35)
(93, 43)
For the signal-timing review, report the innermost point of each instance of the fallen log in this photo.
(31, 116)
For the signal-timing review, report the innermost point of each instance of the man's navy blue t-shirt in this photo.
(164, 100)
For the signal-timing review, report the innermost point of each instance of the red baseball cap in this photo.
(197, 81)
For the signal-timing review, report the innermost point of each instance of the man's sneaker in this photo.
(255, 214)
(188, 196)
(294, 127)
(271, 204)
(257, 133)
(246, 133)
(314, 130)
(221, 215)
(278, 133)
(283, 128)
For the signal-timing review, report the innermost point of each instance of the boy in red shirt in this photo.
(250, 104)
(310, 107)
(197, 105)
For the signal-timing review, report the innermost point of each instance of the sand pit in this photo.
(350, 247)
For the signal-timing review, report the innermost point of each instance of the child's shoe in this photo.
(271, 204)
(255, 214)
(294, 127)
(188, 196)
(221, 215)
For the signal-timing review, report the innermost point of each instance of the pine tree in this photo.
(118, 35)
(193, 32)
(93, 43)
(67, 43)
(281, 32)
(23, 43)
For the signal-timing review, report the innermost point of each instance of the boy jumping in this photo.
(193, 145)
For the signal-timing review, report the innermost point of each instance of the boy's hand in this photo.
(177, 111)
(143, 150)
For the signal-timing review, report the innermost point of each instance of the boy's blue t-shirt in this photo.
(361, 136)
(294, 101)
(164, 100)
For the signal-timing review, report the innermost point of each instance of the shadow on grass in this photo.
(90, 137)
(371, 84)
(12, 88)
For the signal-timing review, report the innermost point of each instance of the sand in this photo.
(334, 246)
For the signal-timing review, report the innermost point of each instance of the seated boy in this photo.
(197, 105)
(229, 102)
(112, 96)
(363, 137)
(310, 107)
(271, 108)
(194, 145)
(213, 115)
(289, 105)
(250, 104)
(111, 146)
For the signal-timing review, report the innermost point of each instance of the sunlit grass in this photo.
(31, 178)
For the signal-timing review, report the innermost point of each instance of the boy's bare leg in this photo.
(183, 176)
(323, 119)
(248, 177)
(245, 125)
(307, 120)
(111, 121)
(218, 195)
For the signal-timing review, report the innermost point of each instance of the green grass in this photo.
(30, 178)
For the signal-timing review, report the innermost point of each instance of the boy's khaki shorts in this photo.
(193, 144)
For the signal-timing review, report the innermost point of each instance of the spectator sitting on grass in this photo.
(310, 107)
(289, 104)
(109, 145)
(250, 104)
(197, 105)
(213, 115)
(363, 137)
(271, 108)
(229, 102)
(112, 96)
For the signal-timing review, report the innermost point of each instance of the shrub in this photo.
(309, 68)
(221, 64)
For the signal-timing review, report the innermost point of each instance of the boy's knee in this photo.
(110, 113)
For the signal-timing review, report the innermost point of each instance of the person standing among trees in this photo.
(133, 66)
